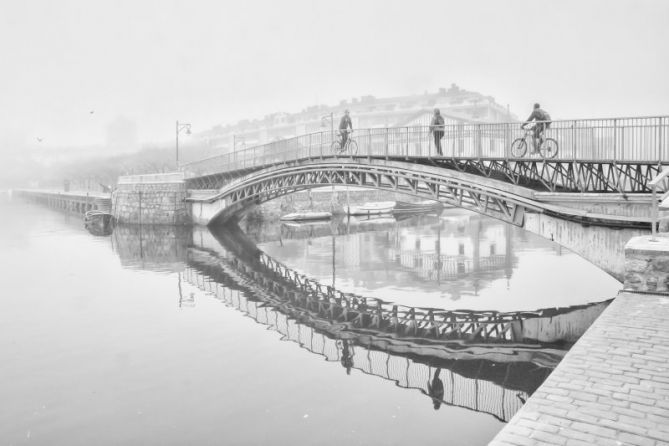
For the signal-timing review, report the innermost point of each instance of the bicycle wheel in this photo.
(549, 148)
(353, 147)
(518, 148)
(336, 147)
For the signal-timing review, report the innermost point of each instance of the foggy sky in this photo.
(210, 62)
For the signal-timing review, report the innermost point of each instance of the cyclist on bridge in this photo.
(542, 119)
(344, 125)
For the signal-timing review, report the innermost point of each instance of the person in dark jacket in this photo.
(437, 129)
(344, 125)
(542, 119)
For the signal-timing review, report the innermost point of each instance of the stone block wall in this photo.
(151, 200)
(647, 264)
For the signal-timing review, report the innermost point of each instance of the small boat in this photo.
(99, 223)
(381, 207)
(305, 216)
(420, 207)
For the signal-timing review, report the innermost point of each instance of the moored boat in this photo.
(306, 216)
(381, 207)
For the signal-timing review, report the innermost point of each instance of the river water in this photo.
(159, 336)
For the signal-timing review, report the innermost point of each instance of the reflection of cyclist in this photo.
(344, 125)
(541, 116)
(435, 390)
(347, 355)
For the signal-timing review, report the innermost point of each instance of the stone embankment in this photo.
(612, 388)
(151, 199)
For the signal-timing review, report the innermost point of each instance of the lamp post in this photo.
(180, 126)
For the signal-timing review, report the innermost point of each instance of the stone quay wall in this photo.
(151, 199)
(612, 387)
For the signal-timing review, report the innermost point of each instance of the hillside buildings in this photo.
(456, 105)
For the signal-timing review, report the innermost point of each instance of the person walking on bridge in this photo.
(344, 125)
(542, 119)
(437, 129)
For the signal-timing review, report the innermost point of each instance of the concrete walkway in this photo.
(612, 388)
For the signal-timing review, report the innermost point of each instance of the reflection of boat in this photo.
(303, 216)
(402, 207)
(99, 222)
(381, 207)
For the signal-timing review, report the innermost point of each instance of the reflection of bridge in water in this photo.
(486, 361)
(499, 389)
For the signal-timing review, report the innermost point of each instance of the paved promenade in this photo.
(612, 388)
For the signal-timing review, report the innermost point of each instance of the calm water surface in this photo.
(123, 339)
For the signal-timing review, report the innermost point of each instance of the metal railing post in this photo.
(479, 147)
(659, 140)
(573, 140)
(655, 212)
(386, 142)
(615, 138)
(407, 146)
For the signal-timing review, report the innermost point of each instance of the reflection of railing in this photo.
(375, 316)
(498, 389)
(659, 183)
(378, 315)
(620, 139)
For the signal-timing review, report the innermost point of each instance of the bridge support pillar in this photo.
(151, 199)
(647, 264)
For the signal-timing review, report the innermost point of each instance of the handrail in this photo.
(655, 184)
(644, 139)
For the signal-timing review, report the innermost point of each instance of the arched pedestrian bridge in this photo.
(617, 157)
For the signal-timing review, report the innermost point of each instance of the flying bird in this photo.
(39, 139)
(91, 112)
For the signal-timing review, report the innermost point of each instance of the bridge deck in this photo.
(612, 388)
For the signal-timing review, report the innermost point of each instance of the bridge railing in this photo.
(644, 139)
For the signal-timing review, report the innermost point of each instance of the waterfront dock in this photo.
(76, 201)
(612, 387)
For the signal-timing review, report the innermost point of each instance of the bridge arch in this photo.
(506, 202)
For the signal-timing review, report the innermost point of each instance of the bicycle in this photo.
(548, 149)
(351, 145)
